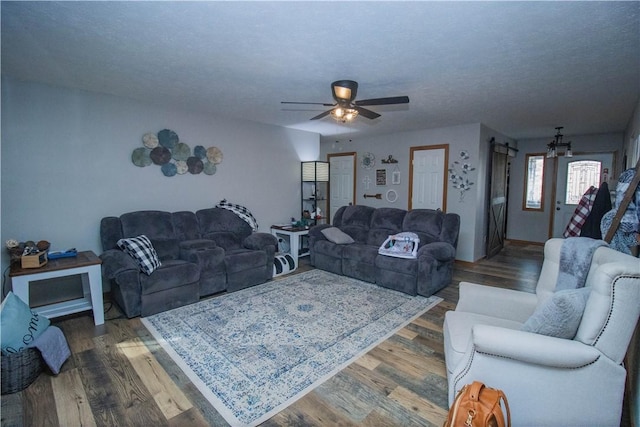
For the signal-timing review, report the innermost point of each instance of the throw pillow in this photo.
(141, 249)
(337, 236)
(560, 315)
(19, 325)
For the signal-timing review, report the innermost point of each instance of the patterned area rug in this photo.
(254, 352)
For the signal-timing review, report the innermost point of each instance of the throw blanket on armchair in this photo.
(575, 261)
(241, 211)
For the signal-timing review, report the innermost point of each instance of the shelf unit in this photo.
(315, 190)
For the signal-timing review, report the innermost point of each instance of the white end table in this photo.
(86, 264)
(294, 234)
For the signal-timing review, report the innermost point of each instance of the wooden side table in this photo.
(86, 264)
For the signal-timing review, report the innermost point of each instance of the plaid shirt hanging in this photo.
(581, 213)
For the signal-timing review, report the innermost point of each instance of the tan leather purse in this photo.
(477, 405)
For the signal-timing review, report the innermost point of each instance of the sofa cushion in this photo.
(218, 219)
(172, 274)
(141, 249)
(166, 248)
(186, 225)
(153, 224)
(242, 259)
(560, 315)
(400, 265)
(225, 239)
(426, 223)
(327, 248)
(357, 216)
(335, 235)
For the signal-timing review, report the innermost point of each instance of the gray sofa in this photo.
(202, 253)
(369, 227)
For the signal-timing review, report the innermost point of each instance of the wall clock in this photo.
(368, 161)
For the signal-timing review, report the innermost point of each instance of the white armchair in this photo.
(548, 381)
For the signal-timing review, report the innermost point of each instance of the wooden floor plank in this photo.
(72, 404)
(418, 404)
(168, 397)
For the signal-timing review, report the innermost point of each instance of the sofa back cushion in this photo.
(157, 226)
(426, 223)
(217, 220)
(385, 222)
(356, 221)
(110, 232)
(186, 226)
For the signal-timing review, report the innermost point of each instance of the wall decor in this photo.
(366, 181)
(381, 177)
(395, 176)
(174, 156)
(458, 174)
(391, 196)
(368, 161)
(389, 160)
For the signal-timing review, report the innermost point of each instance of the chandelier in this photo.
(344, 114)
(552, 147)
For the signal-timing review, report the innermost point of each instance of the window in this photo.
(580, 176)
(533, 194)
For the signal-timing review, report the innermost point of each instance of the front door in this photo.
(574, 176)
(427, 183)
(341, 181)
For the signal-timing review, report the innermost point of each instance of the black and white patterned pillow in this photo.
(141, 249)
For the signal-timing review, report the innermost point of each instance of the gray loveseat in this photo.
(369, 227)
(202, 253)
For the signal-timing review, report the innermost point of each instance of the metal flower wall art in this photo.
(459, 174)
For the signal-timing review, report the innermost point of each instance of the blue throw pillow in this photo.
(19, 325)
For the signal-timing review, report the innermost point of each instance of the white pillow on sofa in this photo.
(337, 236)
(560, 315)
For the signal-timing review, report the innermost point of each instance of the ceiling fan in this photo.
(346, 108)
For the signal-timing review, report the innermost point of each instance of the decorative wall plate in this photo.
(368, 161)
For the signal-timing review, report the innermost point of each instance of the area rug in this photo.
(254, 352)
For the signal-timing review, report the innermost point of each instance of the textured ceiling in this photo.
(521, 68)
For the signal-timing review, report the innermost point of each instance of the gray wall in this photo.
(66, 163)
(472, 210)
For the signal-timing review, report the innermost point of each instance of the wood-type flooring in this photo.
(119, 376)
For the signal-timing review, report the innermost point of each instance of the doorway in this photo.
(498, 197)
(342, 181)
(428, 172)
(573, 177)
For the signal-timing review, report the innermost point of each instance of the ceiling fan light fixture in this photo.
(344, 115)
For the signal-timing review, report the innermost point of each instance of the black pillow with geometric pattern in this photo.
(141, 249)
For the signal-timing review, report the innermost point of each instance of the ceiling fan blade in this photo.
(308, 103)
(366, 113)
(321, 115)
(384, 101)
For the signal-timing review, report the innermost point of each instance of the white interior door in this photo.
(429, 169)
(341, 181)
(564, 208)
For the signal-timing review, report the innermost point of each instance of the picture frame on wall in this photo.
(381, 177)
(395, 177)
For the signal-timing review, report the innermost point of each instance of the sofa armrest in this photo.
(115, 261)
(533, 348)
(259, 241)
(440, 251)
(496, 302)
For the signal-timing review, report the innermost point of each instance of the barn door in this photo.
(499, 191)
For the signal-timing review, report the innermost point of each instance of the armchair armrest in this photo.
(115, 261)
(496, 302)
(533, 348)
(440, 251)
(259, 241)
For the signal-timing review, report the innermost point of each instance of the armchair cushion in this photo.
(560, 315)
(141, 249)
(335, 235)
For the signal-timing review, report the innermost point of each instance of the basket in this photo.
(19, 370)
